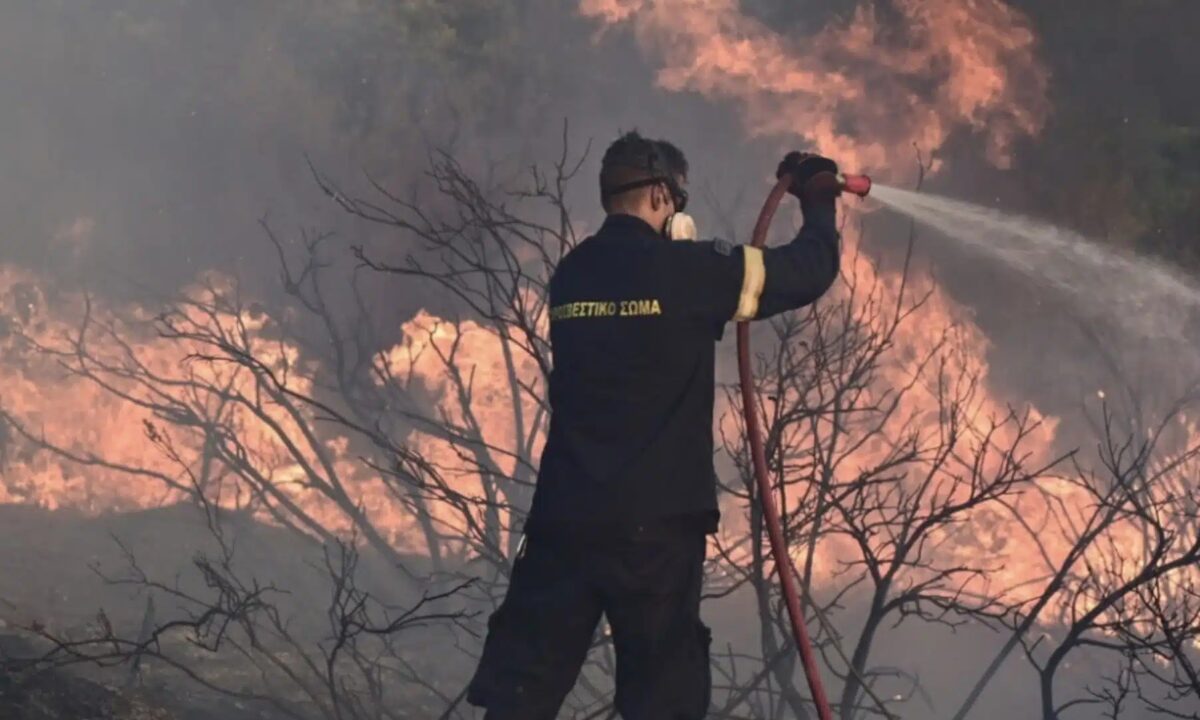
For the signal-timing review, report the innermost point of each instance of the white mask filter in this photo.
(681, 226)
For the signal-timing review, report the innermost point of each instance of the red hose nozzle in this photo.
(858, 185)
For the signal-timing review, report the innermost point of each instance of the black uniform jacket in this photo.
(634, 319)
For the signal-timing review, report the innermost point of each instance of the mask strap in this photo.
(678, 194)
(626, 187)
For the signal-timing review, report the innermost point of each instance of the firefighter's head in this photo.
(645, 178)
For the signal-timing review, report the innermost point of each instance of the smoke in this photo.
(163, 132)
(145, 140)
(954, 83)
(200, 117)
(142, 141)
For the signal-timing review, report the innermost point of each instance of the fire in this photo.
(46, 399)
(128, 416)
(128, 412)
(491, 429)
(855, 90)
(938, 349)
(859, 90)
(866, 93)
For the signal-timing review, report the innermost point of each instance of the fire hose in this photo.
(859, 185)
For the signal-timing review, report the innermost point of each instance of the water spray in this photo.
(1145, 299)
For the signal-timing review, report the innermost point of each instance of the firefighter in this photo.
(626, 491)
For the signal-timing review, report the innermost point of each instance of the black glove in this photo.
(814, 178)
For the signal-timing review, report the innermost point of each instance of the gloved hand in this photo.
(814, 178)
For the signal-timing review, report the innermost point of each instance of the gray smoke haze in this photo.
(142, 140)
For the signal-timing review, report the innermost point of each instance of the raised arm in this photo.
(726, 282)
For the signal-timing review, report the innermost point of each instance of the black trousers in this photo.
(647, 583)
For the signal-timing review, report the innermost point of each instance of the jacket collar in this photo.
(620, 223)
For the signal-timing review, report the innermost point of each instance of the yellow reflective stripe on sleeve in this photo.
(753, 278)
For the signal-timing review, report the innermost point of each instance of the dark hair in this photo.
(632, 158)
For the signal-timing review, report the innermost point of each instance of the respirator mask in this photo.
(679, 225)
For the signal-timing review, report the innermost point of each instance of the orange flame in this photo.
(865, 92)
(861, 91)
(855, 90)
(111, 431)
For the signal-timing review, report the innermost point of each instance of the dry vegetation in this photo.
(352, 501)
